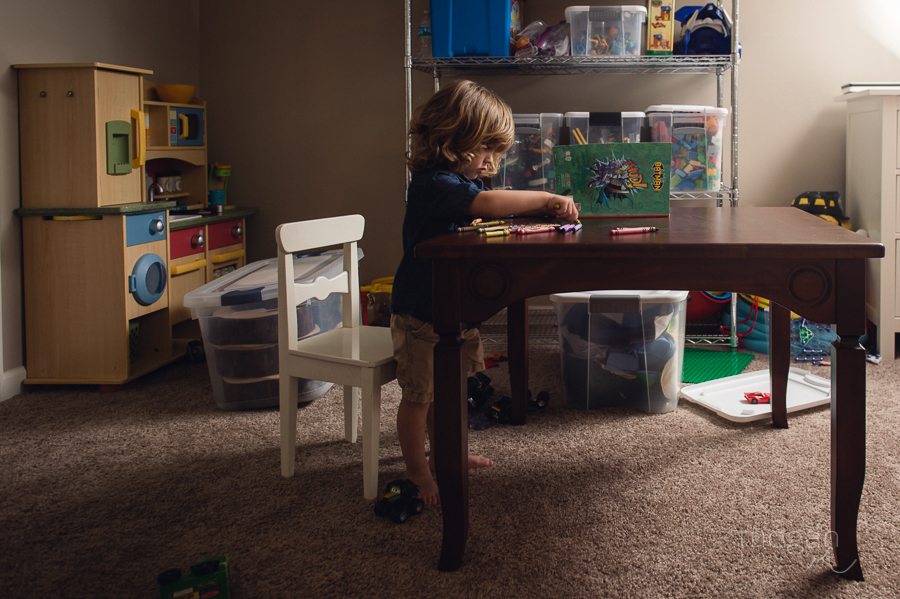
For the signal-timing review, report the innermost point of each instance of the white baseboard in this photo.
(11, 383)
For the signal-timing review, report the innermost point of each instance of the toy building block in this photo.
(208, 578)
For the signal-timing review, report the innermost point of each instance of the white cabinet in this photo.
(872, 197)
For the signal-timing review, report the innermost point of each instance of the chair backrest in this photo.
(292, 238)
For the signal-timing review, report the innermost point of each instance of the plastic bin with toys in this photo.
(621, 348)
(696, 134)
(604, 127)
(528, 164)
(607, 30)
(238, 316)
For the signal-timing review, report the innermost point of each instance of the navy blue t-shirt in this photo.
(437, 202)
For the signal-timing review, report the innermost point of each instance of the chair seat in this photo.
(363, 346)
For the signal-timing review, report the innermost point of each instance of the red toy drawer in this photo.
(227, 233)
(186, 242)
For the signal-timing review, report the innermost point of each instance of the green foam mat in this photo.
(701, 365)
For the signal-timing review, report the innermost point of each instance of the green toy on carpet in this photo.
(701, 365)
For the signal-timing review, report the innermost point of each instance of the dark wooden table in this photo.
(798, 261)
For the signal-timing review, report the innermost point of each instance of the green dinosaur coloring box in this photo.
(615, 179)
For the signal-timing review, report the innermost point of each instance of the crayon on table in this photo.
(498, 233)
(478, 226)
(627, 230)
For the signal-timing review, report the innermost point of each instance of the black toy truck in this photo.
(399, 501)
(501, 411)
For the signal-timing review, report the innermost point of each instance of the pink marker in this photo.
(626, 230)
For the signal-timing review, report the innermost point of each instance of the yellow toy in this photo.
(660, 27)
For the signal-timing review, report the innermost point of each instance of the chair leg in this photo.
(371, 421)
(351, 412)
(287, 401)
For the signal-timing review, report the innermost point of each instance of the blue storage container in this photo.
(470, 27)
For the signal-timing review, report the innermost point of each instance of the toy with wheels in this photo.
(540, 402)
(479, 390)
(208, 578)
(501, 411)
(757, 397)
(399, 501)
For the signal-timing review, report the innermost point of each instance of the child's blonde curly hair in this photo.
(454, 123)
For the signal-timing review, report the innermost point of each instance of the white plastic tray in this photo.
(725, 396)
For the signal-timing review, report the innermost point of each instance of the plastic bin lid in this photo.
(258, 281)
(526, 119)
(686, 108)
(570, 10)
(647, 297)
(584, 115)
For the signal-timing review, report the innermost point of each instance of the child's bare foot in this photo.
(428, 489)
(477, 461)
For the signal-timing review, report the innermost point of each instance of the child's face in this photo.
(483, 157)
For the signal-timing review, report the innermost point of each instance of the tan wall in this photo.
(306, 100)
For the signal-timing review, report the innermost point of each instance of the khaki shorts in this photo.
(414, 342)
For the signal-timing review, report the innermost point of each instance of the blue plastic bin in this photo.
(470, 28)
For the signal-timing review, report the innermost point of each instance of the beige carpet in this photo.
(100, 491)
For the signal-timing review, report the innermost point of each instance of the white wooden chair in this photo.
(352, 355)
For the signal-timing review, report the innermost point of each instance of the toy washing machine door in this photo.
(147, 281)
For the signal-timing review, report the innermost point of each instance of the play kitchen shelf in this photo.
(103, 282)
(176, 147)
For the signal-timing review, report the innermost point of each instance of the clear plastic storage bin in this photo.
(604, 127)
(607, 30)
(621, 348)
(696, 134)
(528, 164)
(238, 316)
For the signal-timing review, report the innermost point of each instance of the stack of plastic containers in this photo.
(238, 316)
(695, 133)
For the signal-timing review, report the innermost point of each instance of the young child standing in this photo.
(457, 136)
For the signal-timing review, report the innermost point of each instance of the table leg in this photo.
(517, 348)
(451, 422)
(779, 361)
(848, 417)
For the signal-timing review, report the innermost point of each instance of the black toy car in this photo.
(479, 390)
(502, 410)
(399, 501)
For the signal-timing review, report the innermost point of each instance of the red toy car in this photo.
(757, 397)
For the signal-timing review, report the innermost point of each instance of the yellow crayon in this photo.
(497, 233)
(479, 226)
(494, 228)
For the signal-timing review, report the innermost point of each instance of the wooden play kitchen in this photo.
(109, 255)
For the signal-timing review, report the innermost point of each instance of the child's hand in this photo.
(562, 207)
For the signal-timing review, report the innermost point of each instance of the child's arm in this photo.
(505, 202)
